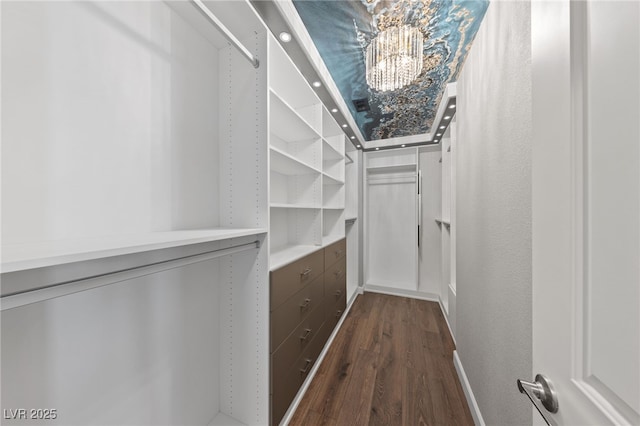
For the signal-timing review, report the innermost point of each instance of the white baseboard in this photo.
(303, 389)
(446, 319)
(401, 292)
(468, 393)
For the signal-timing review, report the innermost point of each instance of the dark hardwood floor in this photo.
(390, 364)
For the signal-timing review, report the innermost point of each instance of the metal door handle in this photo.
(338, 313)
(307, 332)
(306, 367)
(305, 272)
(305, 305)
(338, 293)
(542, 390)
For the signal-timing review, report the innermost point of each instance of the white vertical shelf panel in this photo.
(244, 302)
(352, 231)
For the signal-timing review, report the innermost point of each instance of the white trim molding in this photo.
(401, 292)
(468, 392)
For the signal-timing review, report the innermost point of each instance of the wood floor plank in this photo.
(386, 406)
(356, 407)
(391, 363)
(417, 408)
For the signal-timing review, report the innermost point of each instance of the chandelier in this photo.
(394, 58)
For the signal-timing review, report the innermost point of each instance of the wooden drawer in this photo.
(335, 279)
(286, 317)
(335, 252)
(286, 354)
(287, 280)
(287, 383)
(334, 310)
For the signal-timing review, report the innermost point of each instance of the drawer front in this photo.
(287, 383)
(293, 346)
(335, 252)
(335, 279)
(335, 310)
(286, 317)
(289, 279)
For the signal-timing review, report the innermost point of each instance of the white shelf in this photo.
(286, 164)
(330, 180)
(19, 257)
(288, 124)
(223, 420)
(329, 152)
(330, 239)
(293, 206)
(351, 219)
(330, 127)
(396, 168)
(285, 255)
(333, 207)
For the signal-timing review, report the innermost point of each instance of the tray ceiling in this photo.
(341, 30)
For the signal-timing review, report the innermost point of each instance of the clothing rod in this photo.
(226, 33)
(88, 283)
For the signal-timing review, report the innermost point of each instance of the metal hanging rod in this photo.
(226, 33)
(88, 283)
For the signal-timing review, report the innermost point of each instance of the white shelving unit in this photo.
(391, 220)
(146, 181)
(447, 224)
(307, 165)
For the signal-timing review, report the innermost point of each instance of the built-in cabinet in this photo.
(307, 165)
(308, 298)
(307, 187)
(166, 178)
(446, 222)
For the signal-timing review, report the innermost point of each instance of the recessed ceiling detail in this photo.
(342, 30)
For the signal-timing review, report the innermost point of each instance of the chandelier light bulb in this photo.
(394, 58)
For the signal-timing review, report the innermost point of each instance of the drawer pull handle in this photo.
(338, 293)
(307, 332)
(337, 273)
(338, 314)
(305, 305)
(307, 364)
(305, 272)
(338, 253)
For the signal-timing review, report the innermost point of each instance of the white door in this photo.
(586, 208)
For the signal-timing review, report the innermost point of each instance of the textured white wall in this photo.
(494, 213)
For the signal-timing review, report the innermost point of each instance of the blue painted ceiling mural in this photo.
(341, 31)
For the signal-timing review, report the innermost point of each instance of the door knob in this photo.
(542, 390)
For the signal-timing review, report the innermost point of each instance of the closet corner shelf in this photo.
(20, 257)
(350, 219)
(443, 222)
(294, 126)
(331, 153)
(285, 255)
(330, 180)
(285, 164)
